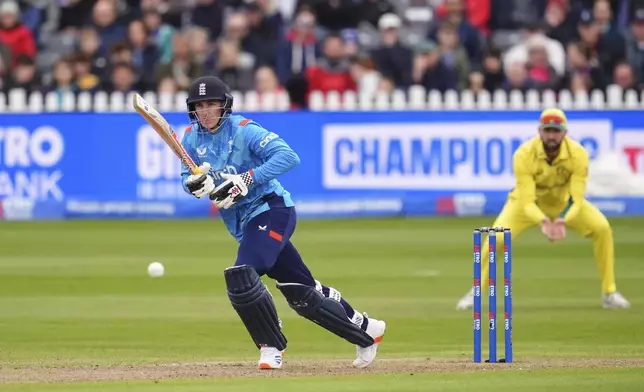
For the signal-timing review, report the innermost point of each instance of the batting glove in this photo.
(201, 184)
(233, 189)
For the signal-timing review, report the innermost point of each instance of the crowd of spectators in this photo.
(300, 46)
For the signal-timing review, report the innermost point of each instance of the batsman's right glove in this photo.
(201, 184)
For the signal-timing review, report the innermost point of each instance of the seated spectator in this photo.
(453, 56)
(332, 71)
(63, 79)
(605, 50)
(85, 79)
(541, 74)
(470, 38)
(121, 52)
(24, 75)
(182, 68)
(363, 71)
(266, 81)
(251, 50)
(624, 77)
(517, 78)
(533, 34)
(392, 59)
(560, 21)
(123, 79)
(492, 70)
(603, 15)
(429, 70)
(298, 49)
(88, 46)
(476, 82)
(160, 33)
(104, 20)
(144, 54)
(264, 28)
(580, 69)
(13, 34)
(202, 51)
(230, 68)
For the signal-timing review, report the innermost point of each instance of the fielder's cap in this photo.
(586, 18)
(389, 21)
(553, 118)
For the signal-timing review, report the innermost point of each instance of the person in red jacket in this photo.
(332, 72)
(13, 34)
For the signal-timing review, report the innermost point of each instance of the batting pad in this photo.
(326, 312)
(255, 306)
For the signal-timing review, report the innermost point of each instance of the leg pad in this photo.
(326, 312)
(254, 305)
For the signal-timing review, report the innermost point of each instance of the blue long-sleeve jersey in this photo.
(238, 146)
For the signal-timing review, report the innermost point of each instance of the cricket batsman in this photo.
(551, 172)
(239, 162)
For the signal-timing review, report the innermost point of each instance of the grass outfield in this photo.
(77, 306)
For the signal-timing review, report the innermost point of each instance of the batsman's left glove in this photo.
(233, 189)
(201, 184)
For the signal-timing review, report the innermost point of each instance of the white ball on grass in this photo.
(156, 270)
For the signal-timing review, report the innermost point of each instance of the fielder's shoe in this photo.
(615, 301)
(365, 356)
(270, 358)
(467, 302)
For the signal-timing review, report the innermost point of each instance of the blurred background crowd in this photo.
(300, 46)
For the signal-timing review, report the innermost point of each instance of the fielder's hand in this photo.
(558, 229)
(555, 231)
(231, 190)
(201, 184)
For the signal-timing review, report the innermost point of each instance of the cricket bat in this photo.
(165, 130)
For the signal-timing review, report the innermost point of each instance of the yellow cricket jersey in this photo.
(560, 184)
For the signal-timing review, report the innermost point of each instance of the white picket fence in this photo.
(17, 101)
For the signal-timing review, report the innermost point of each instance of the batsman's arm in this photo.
(526, 189)
(277, 156)
(578, 180)
(185, 173)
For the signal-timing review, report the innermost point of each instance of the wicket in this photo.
(507, 292)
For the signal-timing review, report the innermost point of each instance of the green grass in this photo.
(77, 293)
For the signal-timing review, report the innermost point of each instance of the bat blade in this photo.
(164, 130)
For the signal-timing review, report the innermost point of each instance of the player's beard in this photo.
(551, 146)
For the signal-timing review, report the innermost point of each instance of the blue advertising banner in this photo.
(388, 160)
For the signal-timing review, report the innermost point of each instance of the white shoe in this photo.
(270, 358)
(615, 301)
(467, 302)
(365, 356)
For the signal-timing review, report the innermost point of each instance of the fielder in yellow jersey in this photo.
(551, 172)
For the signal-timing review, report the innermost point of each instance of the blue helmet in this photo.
(209, 88)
